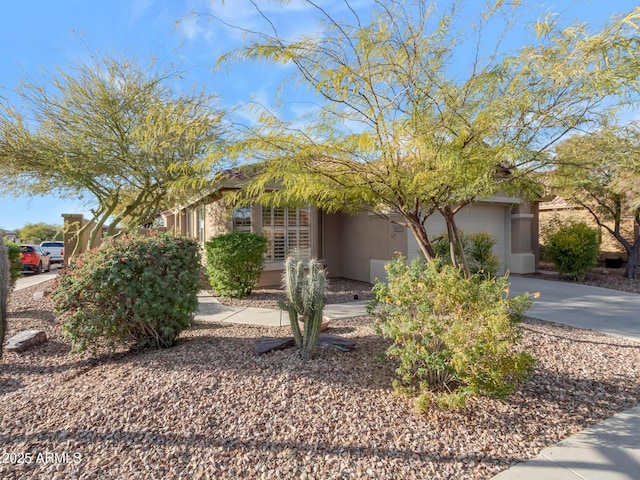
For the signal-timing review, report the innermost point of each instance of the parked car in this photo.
(56, 251)
(34, 259)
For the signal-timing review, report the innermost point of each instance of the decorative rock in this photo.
(24, 340)
(334, 341)
(268, 344)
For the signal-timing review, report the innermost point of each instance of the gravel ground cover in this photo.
(209, 408)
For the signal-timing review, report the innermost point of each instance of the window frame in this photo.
(284, 231)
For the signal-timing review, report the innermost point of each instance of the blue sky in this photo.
(45, 34)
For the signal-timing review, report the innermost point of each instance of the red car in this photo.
(34, 259)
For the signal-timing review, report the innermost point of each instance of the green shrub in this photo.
(5, 281)
(478, 248)
(453, 337)
(573, 249)
(14, 262)
(140, 290)
(235, 262)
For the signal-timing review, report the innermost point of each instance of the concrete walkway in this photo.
(210, 310)
(609, 450)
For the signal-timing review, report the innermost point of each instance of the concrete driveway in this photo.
(608, 311)
(30, 279)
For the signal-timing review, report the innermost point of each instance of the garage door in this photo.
(472, 219)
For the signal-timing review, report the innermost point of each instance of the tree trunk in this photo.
(422, 238)
(634, 256)
(455, 240)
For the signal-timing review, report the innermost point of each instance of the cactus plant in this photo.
(305, 300)
(5, 280)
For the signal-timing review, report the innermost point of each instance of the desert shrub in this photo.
(235, 262)
(478, 249)
(5, 281)
(15, 266)
(452, 336)
(140, 290)
(573, 248)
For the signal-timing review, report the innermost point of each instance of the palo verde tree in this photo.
(600, 172)
(409, 122)
(111, 132)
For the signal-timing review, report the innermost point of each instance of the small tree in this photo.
(600, 172)
(112, 132)
(39, 232)
(403, 127)
(235, 262)
(573, 249)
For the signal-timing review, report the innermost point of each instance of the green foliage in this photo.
(573, 249)
(305, 286)
(140, 290)
(15, 268)
(5, 281)
(235, 262)
(113, 131)
(600, 172)
(452, 336)
(39, 232)
(429, 137)
(478, 248)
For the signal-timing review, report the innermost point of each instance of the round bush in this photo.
(453, 337)
(573, 249)
(140, 290)
(235, 262)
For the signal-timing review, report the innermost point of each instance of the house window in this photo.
(242, 219)
(288, 232)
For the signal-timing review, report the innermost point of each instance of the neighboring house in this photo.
(351, 246)
(9, 236)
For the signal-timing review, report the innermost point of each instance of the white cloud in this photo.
(138, 9)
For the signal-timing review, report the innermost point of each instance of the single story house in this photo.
(351, 246)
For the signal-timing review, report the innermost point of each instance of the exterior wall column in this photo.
(521, 258)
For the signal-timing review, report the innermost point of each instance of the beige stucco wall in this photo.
(351, 242)
(217, 220)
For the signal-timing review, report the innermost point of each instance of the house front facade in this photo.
(355, 247)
